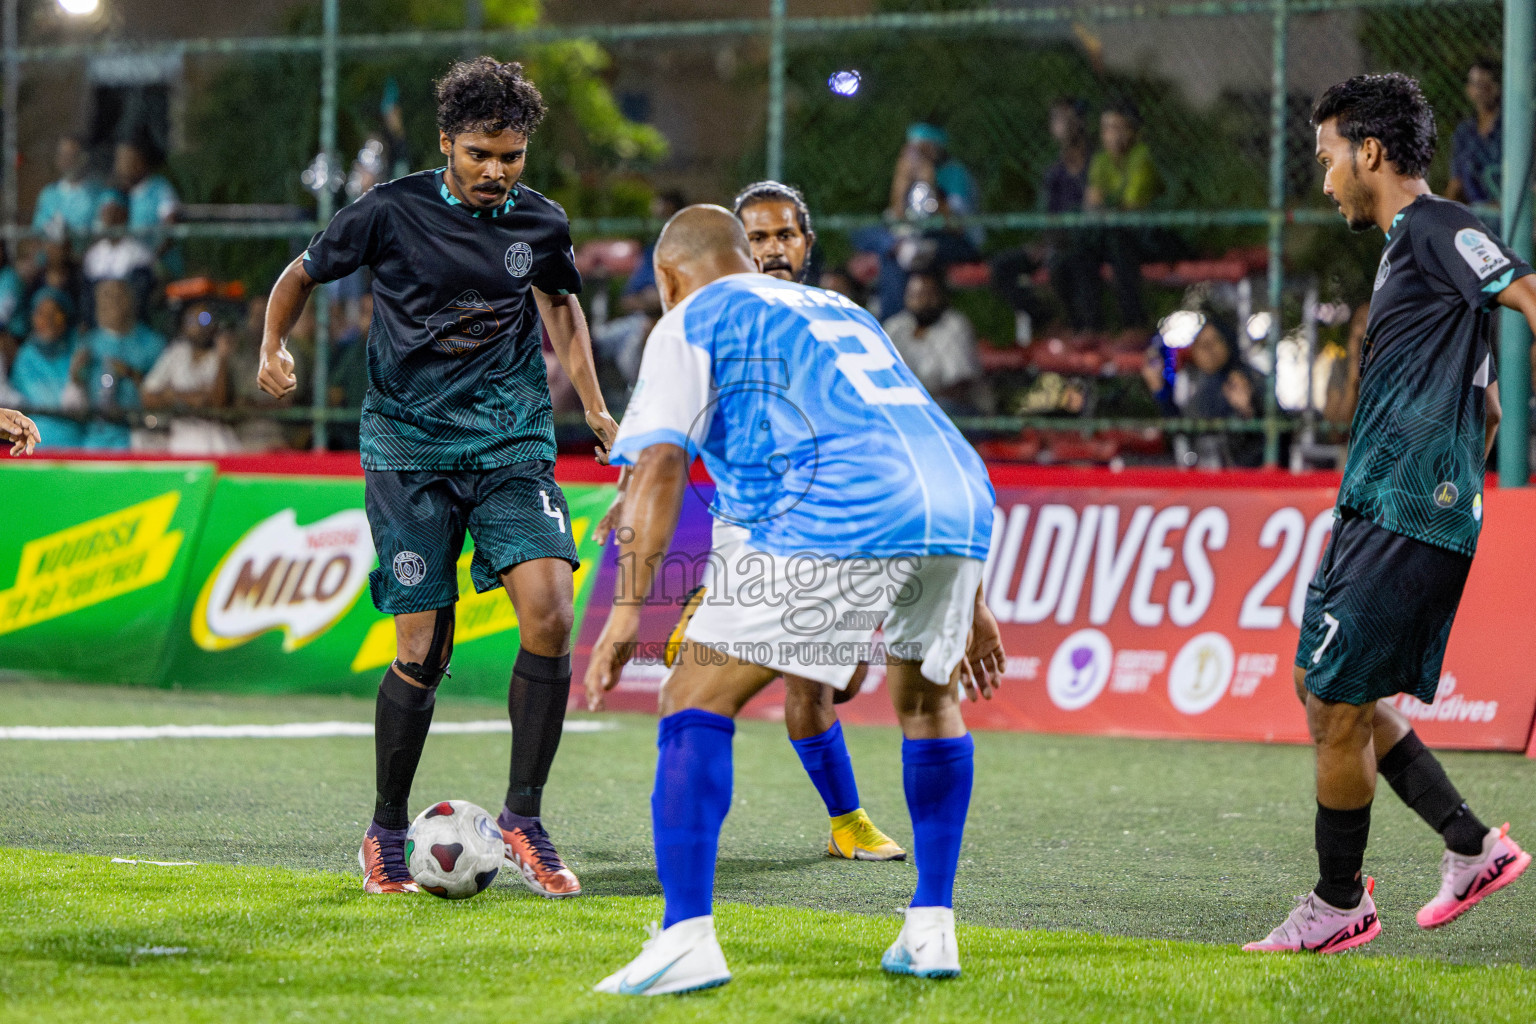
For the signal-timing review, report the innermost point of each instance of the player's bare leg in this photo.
(1339, 913)
(402, 716)
(810, 715)
(542, 592)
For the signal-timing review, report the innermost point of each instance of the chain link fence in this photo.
(1095, 322)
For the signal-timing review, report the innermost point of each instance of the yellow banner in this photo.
(92, 562)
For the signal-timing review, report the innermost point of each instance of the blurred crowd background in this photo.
(1063, 219)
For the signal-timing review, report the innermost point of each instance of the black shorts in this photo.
(1378, 614)
(418, 518)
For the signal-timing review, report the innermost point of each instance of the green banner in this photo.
(93, 561)
(277, 598)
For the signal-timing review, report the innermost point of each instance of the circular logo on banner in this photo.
(410, 568)
(519, 259)
(1079, 670)
(1200, 673)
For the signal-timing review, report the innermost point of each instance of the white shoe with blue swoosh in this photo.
(683, 958)
(926, 947)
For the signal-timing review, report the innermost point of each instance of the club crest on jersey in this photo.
(410, 568)
(1382, 272)
(1481, 255)
(1446, 494)
(519, 259)
(464, 324)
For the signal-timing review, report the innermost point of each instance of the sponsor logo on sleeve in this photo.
(1485, 258)
(280, 575)
(1079, 670)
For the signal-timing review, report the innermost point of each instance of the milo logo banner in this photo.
(1176, 612)
(277, 599)
(93, 559)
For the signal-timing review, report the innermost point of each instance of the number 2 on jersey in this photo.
(857, 366)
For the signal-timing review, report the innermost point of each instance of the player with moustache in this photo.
(1410, 507)
(778, 226)
(457, 436)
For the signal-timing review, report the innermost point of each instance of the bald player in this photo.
(841, 523)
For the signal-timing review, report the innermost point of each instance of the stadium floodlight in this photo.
(1180, 327)
(844, 83)
(79, 8)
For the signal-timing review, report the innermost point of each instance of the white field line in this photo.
(279, 731)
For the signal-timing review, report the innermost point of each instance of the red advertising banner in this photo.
(1174, 612)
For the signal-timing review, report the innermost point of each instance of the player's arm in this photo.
(567, 328)
(615, 513)
(20, 431)
(284, 306)
(652, 502)
(1520, 296)
(981, 670)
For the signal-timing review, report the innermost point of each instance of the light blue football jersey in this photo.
(819, 438)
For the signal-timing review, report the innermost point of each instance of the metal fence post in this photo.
(1515, 203)
(324, 204)
(776, 15)
(1277, 114)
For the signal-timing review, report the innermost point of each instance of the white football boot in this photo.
(1317, 926)
(683, 958)
(926, 947)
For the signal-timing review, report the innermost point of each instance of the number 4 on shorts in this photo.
(1333, 627)
(552, 512)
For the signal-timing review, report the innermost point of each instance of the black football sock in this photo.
(536, 704)
(1416, 776)
(402, 715)
(1341, 838)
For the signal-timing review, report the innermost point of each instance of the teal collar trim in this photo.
(452, 200)
(1395, 222)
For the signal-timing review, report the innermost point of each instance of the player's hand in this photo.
(615, 646)
(20, 431)
(275, 375)
(606, 429)
(610, 520)
(981, 670)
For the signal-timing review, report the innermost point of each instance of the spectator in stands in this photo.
(119, 257)
(70, 203)
(640, 290)
(1215, 384)
(348, 377)
(1122, 176)
(193, 373)
(152, 201)
(110, 362)
(927, 182)
(256, 432)
(938, 342)
(13, 308)
(1074, 266)
(41, 374)
(1477, 147)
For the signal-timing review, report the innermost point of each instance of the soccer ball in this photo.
(454, 849)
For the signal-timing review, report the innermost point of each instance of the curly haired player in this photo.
(457, 436)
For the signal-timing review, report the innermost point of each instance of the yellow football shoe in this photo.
(675, 641)
(855, 837)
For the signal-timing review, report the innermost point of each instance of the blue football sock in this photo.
(937, 775)
(688, 806)
(827, 763)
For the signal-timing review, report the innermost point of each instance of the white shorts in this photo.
(815, 617)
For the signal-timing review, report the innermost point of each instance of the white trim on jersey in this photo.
(673, 400)
(1484, 372)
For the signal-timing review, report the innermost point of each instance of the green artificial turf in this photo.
(1200, 843)
(88, 940)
